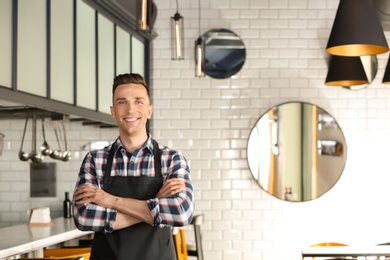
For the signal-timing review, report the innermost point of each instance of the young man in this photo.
(133, 191)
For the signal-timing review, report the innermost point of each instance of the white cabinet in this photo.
(66, 53)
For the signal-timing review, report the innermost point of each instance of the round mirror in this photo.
(296, 151)
(224, 53)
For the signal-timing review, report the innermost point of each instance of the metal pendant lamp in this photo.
(177, 25)
(199, 57)
(199, 52)
(345, 72)
(356, 30)
(144, 13)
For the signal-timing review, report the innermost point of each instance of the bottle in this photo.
(67, 206)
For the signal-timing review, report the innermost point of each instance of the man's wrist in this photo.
(113, 201)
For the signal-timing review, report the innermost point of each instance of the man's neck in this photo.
(132, 142)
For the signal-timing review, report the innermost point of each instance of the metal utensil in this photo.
(1, 142)
(57, 154)
(45, 148)
(23, 156)
(67, 154)
(34, 156)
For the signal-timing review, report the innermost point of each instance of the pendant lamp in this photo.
(199, 57)
(144, 14)
(345, 72)
(177, 22)
(356, 30)
(386, 76)
(199, 52)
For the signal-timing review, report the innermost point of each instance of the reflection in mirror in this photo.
(296, 151)
(370, 66)
(352, 73)
(224, 53)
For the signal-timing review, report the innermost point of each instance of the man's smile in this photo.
(131, 119)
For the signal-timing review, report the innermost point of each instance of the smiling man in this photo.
(133, 191)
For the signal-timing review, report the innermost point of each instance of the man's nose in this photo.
(130, 106)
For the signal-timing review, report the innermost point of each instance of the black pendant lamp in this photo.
(357, 30)
(345, 72)
(386, 76)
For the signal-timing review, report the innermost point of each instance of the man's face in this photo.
(131, 108)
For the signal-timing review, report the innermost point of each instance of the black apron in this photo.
(141, 241)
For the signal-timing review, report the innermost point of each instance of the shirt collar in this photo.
(147, 145)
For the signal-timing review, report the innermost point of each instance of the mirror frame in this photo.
(224, 53)
(290, 167)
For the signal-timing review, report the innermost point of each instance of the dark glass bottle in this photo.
(67, 206)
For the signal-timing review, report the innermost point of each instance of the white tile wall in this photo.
(286, 60)
(210, 121)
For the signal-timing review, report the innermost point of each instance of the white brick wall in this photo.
(285, 43)
(210, 120)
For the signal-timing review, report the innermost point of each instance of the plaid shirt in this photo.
(171, 211)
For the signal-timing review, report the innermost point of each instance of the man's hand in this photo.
(91, 194)
(171, 187)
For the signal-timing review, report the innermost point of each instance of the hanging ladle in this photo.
(67, 154)
(45, 148)
(34, 156)
(57, 154)
(23, 156)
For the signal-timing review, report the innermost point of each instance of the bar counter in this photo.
(22, 239)
(363, 252)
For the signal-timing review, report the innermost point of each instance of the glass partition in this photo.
(85, 56)
(123, 55)
(61, 51)
(6, 43)
(31, 47)
(105, 63)
(138, 61)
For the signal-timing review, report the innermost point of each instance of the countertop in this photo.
(20, 239)
(345, 251)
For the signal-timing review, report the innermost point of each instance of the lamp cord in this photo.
(199, 18)
(177, 6)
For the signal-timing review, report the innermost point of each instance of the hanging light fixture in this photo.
(199, 49)
(199, 57)
(356, 30)
(346, 72)
(144, 13)
(370, 66)
(177, 22)
(386, 76)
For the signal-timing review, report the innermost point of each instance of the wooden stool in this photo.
(180, 243)
(197, 249)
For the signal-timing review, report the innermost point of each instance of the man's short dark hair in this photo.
(129, 78)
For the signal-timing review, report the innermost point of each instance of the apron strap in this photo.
(156, 154)
(157, 158)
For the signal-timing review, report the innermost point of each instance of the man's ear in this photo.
(112, 110)
(151, 109)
